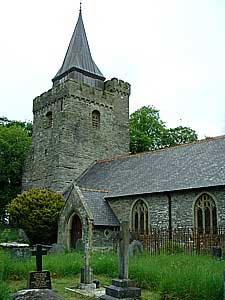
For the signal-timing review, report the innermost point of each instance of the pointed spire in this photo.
(78, 57)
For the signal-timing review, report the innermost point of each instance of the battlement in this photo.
(117, 85)
(72, 88)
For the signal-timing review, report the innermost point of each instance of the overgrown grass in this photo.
(175, 276)
(180, 276)
(4, 289)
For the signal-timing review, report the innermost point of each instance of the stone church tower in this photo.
(82, 118)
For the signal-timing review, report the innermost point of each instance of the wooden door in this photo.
(76, 231)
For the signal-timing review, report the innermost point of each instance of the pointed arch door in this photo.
(76, 231)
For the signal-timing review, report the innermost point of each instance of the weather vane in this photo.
(80, 5)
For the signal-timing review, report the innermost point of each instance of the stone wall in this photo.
(65, 143)
(182, 207)
(104, 237)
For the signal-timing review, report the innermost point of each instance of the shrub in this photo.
(36, 211)
(13, 235)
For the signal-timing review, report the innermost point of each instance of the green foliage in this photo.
(4, 291)
(36, 211)
(180, 276)
(15, 139)
(172, 247)
(176, 277)
(149, 132)
(26, 126)
(13, 235)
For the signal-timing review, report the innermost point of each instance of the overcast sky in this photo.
(171, 51)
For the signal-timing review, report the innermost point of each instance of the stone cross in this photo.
(124, 250)
(38, 253)
(86, 271)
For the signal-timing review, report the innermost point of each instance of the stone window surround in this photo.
(49, 119)
(95, 119)
(140, 205)
(207, 200)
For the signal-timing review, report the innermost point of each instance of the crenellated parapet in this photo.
(74, 89)
(116, 85)
(49, 98)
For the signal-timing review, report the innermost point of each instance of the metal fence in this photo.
(179, 240)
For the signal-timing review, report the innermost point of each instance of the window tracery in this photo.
(205, 214)
(140, 217)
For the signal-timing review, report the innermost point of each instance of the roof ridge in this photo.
(120, 157)
(94, 190)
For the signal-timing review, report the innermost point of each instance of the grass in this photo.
(161, 277)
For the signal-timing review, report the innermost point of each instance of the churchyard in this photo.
(164, 276)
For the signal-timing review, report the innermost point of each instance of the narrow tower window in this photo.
(49, 119)
(96, 119)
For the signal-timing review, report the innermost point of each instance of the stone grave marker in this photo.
(86, 271)
(39, 279)
(217, 252)
(123, 288)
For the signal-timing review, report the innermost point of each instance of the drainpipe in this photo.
(169, 215)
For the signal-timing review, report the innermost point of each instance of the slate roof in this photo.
(102, 213)
(200, 164)
(78, 56)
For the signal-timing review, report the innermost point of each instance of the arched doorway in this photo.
(75, 231)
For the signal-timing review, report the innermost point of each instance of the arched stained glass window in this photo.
(140, 217)
(205, 214)
(96, 119)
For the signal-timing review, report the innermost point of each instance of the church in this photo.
(80, 148)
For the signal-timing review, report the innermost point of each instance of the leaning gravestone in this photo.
(135, 247)
(123, 288)
(39, 279)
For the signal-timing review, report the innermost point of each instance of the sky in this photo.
(172, 52)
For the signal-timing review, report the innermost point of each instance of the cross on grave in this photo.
(124, 237)
(39, 279)
(122, 288)
(38, 253)
(86, 271)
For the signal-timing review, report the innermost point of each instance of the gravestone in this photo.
(17, 250)
(217, 252)
(39, 279)
(86, 271)
(37, 295)
(123, 288)
(57, 248)
(135, 247)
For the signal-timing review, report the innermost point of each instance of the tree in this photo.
(36, 211)
(149, 132)
(180, 135)
(15, 139)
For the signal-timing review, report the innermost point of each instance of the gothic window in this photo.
(205, 214)
(96, 119)
(140, 217)
(49, 119)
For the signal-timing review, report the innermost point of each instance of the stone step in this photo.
(125, 283)
(121, 293)
(107, 297)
